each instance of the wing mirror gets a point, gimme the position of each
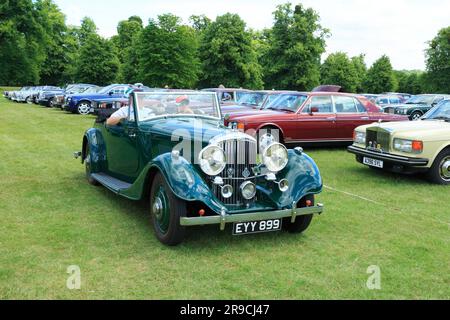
(313, 110)
(111, 93)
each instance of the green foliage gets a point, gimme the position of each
(87, 29)
(297, 41)
(410, 81)
(438, 62)
(20, 37)
(338, 69)
(380, 77)
(361, 72)
(126, 41)
(228, 56)
(55, 36)
(100, 68)
(199, 23)
(168, 54)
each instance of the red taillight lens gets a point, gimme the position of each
(417, 146)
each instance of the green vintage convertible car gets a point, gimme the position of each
(174, 150)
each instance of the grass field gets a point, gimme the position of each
(52, 219)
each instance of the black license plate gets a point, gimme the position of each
(243, 228)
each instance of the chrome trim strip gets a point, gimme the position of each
(388, 156)
(223, 219)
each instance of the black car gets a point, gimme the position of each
(47, 97)
(417, 106)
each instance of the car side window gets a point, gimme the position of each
(119, 90)
(227, 96)
(359, 106)
(321, 104)
(345, 105)
(395, 101)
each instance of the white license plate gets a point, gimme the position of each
(373, 162)
(242, 228)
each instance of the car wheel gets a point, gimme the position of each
(28, 100)
(166, 211)
(301, 222)
(88, 167)
(416, 115)
(52, 103)
(440, 170)
(84, 108)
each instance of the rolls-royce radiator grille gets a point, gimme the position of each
(241, 158)
(377, 139)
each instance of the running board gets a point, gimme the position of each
(113, 184)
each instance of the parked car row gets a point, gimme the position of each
(237, 168)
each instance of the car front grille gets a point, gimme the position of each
(241, 158)
(377, 139)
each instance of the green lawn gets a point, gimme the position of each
(51, 219)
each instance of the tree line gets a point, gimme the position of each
(38, 47)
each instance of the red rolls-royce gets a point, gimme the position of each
(306, 117)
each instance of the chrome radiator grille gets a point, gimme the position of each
(241, 158)
(377, 139)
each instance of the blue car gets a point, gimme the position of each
(82, 103)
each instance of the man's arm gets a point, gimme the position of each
(115, 118)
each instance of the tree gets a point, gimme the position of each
(409, 81)
(438, 62)
(199, 23)
(100, 68)
(168, 54)
(228, 56)
(361, 72)
(126, 41)
(20, 37)
(87, 29)
(338, 69)
(57, 58)
(297, 41)
(380, 77)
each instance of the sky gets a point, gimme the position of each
(398, 28)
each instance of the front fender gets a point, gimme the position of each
(94, 139)
(182, 177)
(304, 179)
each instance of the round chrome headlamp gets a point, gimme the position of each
(275, 157)
(212, 160)
(227, 191)
(248, 190)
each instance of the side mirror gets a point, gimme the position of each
(313, 110)
(111, 93)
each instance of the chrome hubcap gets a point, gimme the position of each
(83, 108)
(416, 116)
(445, 168)
(157, 208)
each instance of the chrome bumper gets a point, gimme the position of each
(224, 218)
(389, 157)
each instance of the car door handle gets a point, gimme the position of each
(365, 118)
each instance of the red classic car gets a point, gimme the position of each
(312, 117)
